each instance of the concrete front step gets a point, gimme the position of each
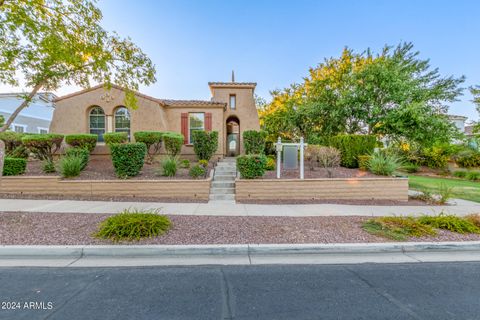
(225, 172)
(223, 178)
(222, 191)
(222, 197)
(223, 184)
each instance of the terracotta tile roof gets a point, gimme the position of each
(180, 103)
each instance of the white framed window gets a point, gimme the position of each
(20, 128)
(97, 122)
(196, 122)
(42, 130)
(233, 102)
(122, 120)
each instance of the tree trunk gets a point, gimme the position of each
(2, 156)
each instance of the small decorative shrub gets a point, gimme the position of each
(85, 141)
(12, 140)
(128, 158)
(468, 159)
(43, 146)
(311, 155)
(185, 164)
(115, 137)
(445, 193)
(169, 166)
(153, 141)
(383, 164)
(351, 146)
(460, 174)
(363, 162)
(251, 166)
(397, 228)
(173, 143)
(197, 171)
(410, 167)
(435, 157)
(450, 222)
(472, 175)
(254, 141)
(328, 158)
(205, 144)
(270, 164)
(71, 166)
(48, 166)
(81, 153)
(14, 166)
(203, 163)
(133, 225)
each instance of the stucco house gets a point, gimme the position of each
(230, 111)
(33, 119)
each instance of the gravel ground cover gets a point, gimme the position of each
(76, 229)
(102, 169)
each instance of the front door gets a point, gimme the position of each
(233, 145)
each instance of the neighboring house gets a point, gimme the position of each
(469, 130)
(458, 121)
(33, 119)
(230, 111)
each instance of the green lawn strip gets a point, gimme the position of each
(467, 190)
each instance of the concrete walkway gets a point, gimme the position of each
(459, 207)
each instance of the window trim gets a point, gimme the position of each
(129, 121)
(24, 126)
(189, 129)
(90, 122)
(234, 96)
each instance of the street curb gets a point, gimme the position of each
(145, 251)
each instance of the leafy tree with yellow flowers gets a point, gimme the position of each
(48, 43)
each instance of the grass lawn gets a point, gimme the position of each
(462, 189)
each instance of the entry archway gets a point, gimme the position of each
(233, 136)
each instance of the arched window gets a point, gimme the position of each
(122, 120)
(97, 122)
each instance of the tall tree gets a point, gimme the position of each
(48, 43)
(475, 91)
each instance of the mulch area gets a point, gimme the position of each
(102, 169)
(319, 173)
(77, 229)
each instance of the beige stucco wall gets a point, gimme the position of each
(245, 109)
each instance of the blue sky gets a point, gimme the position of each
(274, 42)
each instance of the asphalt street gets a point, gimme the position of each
(362, 291)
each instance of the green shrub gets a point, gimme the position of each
(168, 166)
(197, 171)
(12, 141)
(445, 193)
(351, 146)
(473, 175)
(85, 140)
(450, 222)
(153, 141)
(383, 164)
(251, 166)
(133, 225)
(363, 161)
(115, 137)
(397, 228)
(81, 153)
(14, 166)
(43, 146)
(254, 141)
(410, 167)
(185, 164)
(468, 159)
(435, 157)
(203, 163)
(205, 144)
(460, 174)
(173, 143)
(270, 164)
(48, 166)
(71, 166)
(128, 158)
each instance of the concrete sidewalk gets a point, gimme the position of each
(459, 207)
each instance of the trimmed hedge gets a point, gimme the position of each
(352, 146)
(81, 153)
(173, 143)
(205, 145)
(254, 141)
(14, 166)
(43, 146)
(150, 138)
(115, 137)
(251, 166)
(128, 158)
(12, 140)
(84, 140)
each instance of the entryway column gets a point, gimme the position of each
(109, 127)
